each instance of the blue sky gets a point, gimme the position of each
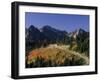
(67, 22)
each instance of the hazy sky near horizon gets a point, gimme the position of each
(67, 22)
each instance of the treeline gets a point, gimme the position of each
(80, 44)
(30, 45)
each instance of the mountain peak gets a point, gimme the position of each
(80, 31)
(32, 28)
(47, 27)
(77, 32)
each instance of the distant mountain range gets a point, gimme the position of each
(49, 35)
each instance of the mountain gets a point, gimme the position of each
(46, 35)
(33, 34)
(53, 34)
(78, 33)
(80, 41)
(47, 27)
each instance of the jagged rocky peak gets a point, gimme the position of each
(32, 28)
(80, 31)
(47, 27)
(77, 32)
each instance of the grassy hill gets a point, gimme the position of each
(55, 55)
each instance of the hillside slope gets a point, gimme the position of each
(54, 55)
